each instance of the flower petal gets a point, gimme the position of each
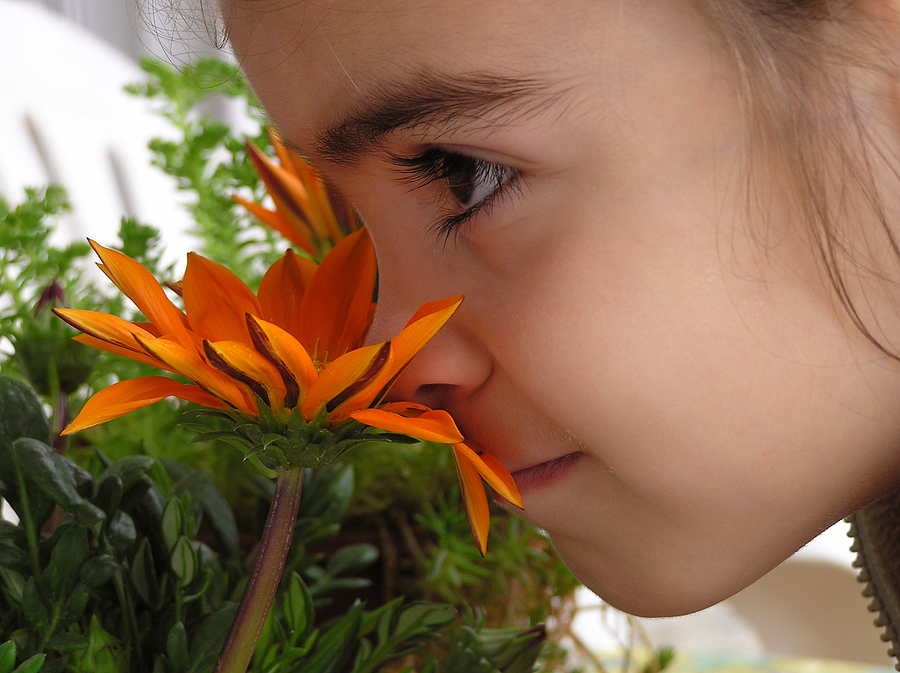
(474, 496)
(245, 364)
(137, 356)
(434, 425)
(492, 471)
(192, 366)
(125, 396)
(336, 309)
(139, 285)
(424, 324)
(109, 328)
(216, 301)
(346, 376)
(274, 220)
(287, 354)
(282, 288)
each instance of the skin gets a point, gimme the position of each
(677, 392)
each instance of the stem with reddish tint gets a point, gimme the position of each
(265, 576)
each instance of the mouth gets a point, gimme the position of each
(543, 473)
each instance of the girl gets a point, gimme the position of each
(675, 226)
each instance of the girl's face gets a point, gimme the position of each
(647, 345)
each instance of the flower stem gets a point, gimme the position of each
(265, 576)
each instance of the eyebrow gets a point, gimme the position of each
(431, 98)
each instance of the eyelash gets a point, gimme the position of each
(436, 165)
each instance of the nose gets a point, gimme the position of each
(451, 366)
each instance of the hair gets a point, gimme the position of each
(801, 63)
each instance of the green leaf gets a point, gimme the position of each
(69, 552)
(351, 559)
(143, 574)
(98, 570)
(13, 557)
(32, 604)
(75, 605)
(68, 642)
(121, 531)
(21, 413)
(210, 637)
(177, 648)
(336, 646)
(173, 523)
(32, 665)
(7, 656)
(183, 561)
(47, 470)
(298, 607)
(109, 493)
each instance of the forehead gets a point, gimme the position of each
(310, 61)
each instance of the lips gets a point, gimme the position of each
(543, 473)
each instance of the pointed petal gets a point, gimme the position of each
(139, 285)
(287, 354)
(216, 301)
(430, 426)
(105, 327)
(136, 355)
(282, 288)
(492, 471)
(424, 324)
(475, 498)
(334, 316)
(292, 199)
(189, 364)
(245, 364)
(125, 396)
(272, 219)
(350, 372)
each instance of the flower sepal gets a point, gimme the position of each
(270, 442)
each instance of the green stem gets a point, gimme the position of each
(265, 576)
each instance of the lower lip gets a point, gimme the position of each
(544, 473)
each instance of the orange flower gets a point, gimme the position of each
(292, 357)
(304, 206)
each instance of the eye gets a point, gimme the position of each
(472, 185)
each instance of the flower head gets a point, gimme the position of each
(287, 364)
(304, 204)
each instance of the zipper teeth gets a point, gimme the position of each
(874, 585)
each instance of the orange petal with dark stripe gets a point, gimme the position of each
(245, 364)
(125, 396)
(273, 219)
(216, 301)
(286, 353)
(105, 327)
(349, 373)
(189, 364)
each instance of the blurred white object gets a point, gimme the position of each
(65, 118)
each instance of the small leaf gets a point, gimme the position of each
(13, 557)
(98, 570)
(173, 523)
(109, 493)
(177, 648)
(7, 656)
(32, 665)
(351, 559)
(32, 604)
(121, 531)
(210, 637)
(75, 605)
(298, 606)
(184, 562)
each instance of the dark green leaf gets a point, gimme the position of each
(21, 415)
(177, 648)
(121, 531)
(69, 642)
(209, 639)
(69, 552)
(351, 559)
(98, 570)
(298, 606)
(109, 493)
(13, 557)
(336, 646)
(32, 604)
(75, 605)
(184, 562)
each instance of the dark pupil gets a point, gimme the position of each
(462, 174)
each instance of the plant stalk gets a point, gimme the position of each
(265, 576)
